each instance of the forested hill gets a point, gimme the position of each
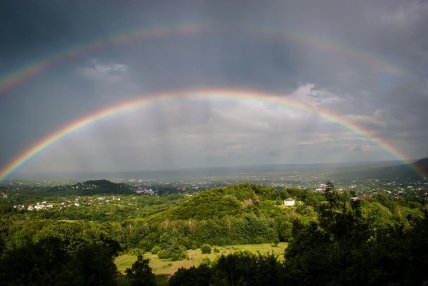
(95, 187)
(238, 214)
(27, 193)
(222, 201)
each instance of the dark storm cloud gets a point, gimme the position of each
(217, 58)
(365, 61)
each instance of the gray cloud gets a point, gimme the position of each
(365, 62)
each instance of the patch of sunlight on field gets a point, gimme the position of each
(195, 257)
(124, 261)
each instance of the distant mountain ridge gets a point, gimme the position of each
(422, 166)
(95, 187)
(413, 171)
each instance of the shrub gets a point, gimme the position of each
(155, 249)
(206, 249)
(173, 252)
(275, 242)
(163, 254)
(135, 251)
(206, 261)
(179, 256)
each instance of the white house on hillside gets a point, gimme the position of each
(289, 202)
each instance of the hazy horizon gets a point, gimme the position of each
(303, 170)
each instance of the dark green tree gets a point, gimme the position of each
(194, 276)
(240, 268)
(140, 273)
(93, 265)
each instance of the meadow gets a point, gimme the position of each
(165, 268)
(196, 257)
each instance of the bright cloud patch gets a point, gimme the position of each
(113, 72)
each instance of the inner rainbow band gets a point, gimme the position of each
(197, 95)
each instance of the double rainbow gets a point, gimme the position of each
(25, 73)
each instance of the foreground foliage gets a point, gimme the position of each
(51, 261)
(242, 268)
(346, 246)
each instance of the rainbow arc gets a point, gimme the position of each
(194, 95)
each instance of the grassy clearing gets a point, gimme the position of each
(166, 267)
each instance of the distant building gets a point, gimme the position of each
(321, 188)
(289, 202)
(39, 207)
(144, 191)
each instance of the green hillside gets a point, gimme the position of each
(223, 201)
(239, 214)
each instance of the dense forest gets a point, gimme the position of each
(334, 237)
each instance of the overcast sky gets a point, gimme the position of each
(365, 61)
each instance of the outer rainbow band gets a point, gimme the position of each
(33, 69)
